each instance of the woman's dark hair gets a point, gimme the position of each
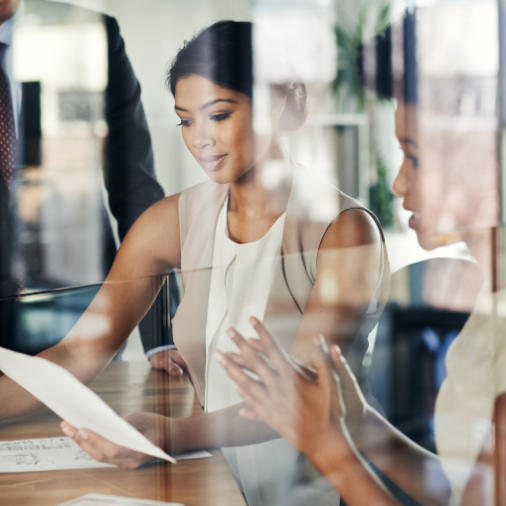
(223, 53)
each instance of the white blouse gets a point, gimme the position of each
(476, 375)
(240, 284)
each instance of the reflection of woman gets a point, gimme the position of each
(227, 235)
(310, 414)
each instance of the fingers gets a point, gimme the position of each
(249, 389)
(178, 359)
(249, 414)
(306, 370)
(320, 360)
(67, 429)
(342, 367)
(252, 359)
(236, 358)
(103, 450)
(80, 437)
(270, 348)
(167, 361)
(174, 369)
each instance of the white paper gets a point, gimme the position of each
(51, 454)
(57, 454)
(202, 454)
(74, 402)
(112, 500)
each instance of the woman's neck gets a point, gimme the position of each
(250, 197)
(481, 244)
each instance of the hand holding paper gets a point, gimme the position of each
(74, 402)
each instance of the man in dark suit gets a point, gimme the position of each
(128, 165)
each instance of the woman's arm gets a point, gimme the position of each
(301, 410)
(348, 265)
(306, 413)
(150, 249)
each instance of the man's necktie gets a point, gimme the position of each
(7, 133)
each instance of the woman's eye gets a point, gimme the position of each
(185, 123)
(220, 117)
(414, 161)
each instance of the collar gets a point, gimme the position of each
(6, 32)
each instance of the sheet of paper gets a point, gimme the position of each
(74, 402)
(56, 454)
(192, 455)
(112, 500)
(51, 454)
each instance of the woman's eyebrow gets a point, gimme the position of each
(407, 140)
(227, 100)
(209, 104)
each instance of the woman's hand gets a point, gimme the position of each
(352, 396)
(102, 450)
(170, 361)
(301, 409)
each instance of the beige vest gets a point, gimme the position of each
(294, 278)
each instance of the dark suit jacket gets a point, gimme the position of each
(129, 173)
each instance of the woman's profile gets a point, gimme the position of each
(334, 425)
(245, 247)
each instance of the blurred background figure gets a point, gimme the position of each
(74, 135)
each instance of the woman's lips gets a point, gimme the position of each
(212, 163)
(414, 221)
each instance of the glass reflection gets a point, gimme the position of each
(401, 108)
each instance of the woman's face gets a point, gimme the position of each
(410, 185)
(217, 127)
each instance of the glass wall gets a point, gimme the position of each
(329, 167)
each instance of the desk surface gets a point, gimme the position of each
(127, 387)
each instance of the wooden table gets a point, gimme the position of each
(127, 387)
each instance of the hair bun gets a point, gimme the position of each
(295, 112)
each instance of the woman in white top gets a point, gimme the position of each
(244, 248)
(334, 426)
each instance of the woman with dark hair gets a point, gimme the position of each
(331, 422)
(299, 255)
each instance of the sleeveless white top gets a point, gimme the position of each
(240, 284)
(476, 375)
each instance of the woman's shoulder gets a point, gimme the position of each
(321, 200)
(199, 202)
(319, 204)
(198, 192)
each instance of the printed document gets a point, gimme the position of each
(112, 500)
(51, 454)
(56, 454)
(74, 402)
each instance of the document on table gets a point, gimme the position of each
(56, 454)
(51, 454)
(112, 500)
(199, 454)
(74, 402)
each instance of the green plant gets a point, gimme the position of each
(381, 197)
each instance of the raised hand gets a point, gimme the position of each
(352, 398)
(301, 408)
